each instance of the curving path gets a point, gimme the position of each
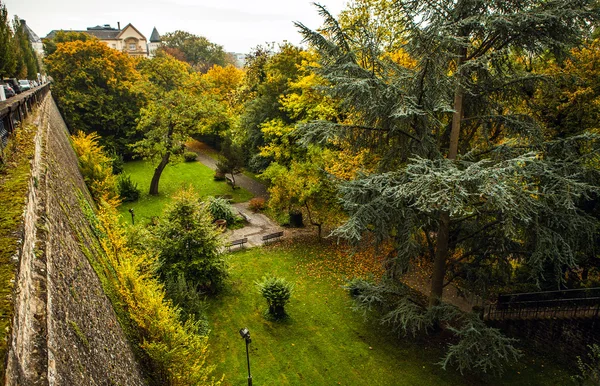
(256, 188)
(258, 225)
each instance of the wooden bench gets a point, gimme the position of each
(272, 236)
(239, 242)
(244, 216)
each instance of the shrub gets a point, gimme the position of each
(189, 156)
(257, 204)
(95, 166)
(277, 292)
(220, 209)
(178, 353)
(128, 190)
(589, 371)
(219, 176)
(118, 165)
(188, 244)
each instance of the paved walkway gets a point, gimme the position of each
(258, 226)
(256, 188)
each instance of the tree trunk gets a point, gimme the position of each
(163, 162)
(232, 181)
(157, 172)
(443, 235)
(318, 225)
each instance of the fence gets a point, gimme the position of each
(567, 304)
(14, 110)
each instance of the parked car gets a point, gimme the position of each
(12, 82)
(24, 84)
(8, 91)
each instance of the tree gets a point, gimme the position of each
(188, 244)
(267, 83)
(50, 45)
(176, 107)
(231, 160)
(94, 90)
(465, 176)
(27, 65)
(198, 51)
(305, 185)
(8, 62)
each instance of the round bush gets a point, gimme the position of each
(189, 156)
(220, 209)
(277, 292)
(257, 204)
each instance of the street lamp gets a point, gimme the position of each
(245, 333)
(132, 216)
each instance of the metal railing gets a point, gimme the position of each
(14, 110)
(566, 304)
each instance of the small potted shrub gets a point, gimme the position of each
(277, 292)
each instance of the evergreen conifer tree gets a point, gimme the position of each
(466, 176)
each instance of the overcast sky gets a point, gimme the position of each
(237, 25)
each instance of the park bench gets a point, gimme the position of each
(244, 216)
(272, 236)
(239, 242)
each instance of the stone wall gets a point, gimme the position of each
(65, 331)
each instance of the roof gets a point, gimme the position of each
(101, 34)
(155, 37)
(32, 35)
(135, 29)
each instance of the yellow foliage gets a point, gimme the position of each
(178, 353)
(95, 166)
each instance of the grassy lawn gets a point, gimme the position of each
(173, 178)
(323, 342)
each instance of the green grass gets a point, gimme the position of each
(324, 342)
(173, 178)
(14, 178)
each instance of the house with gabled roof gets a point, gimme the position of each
(128, 39)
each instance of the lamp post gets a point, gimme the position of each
(132, 216)
(245, 333)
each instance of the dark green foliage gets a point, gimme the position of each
(198, 51)
(118, 164)
(188, 244)
(268, 81)
(478, 349)
(7, 47)
(512, 194)
(277, 292)
(128, 190)
(190, 300)
(231, 160)
(589, 370)
(27, 64)
(221, 209)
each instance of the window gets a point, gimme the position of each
(131, 46)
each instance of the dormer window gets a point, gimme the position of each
(131, 46)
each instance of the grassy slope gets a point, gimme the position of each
(14, 179)
(173, 178)
(324, 342)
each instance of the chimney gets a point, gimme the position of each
(119, 25)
